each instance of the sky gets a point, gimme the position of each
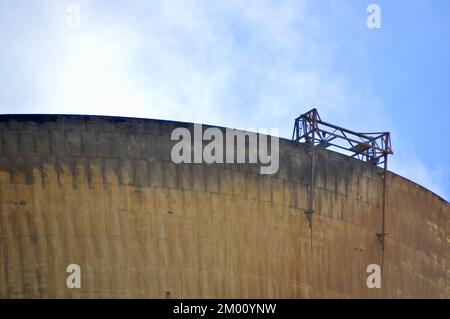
(242, 64)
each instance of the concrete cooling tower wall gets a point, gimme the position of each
(103, 193)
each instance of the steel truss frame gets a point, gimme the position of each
(369, 147)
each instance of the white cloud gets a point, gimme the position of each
(236, 64)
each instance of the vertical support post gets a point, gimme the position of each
(310, 210)
(294, 135)
(382, 236)
(384, 199)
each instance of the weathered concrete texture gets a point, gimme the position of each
(103, 193)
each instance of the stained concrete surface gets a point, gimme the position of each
(102, 192)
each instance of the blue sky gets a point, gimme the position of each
(245, 64)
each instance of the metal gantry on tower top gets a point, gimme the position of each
(369, 147)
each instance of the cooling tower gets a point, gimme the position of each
(103, 193)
